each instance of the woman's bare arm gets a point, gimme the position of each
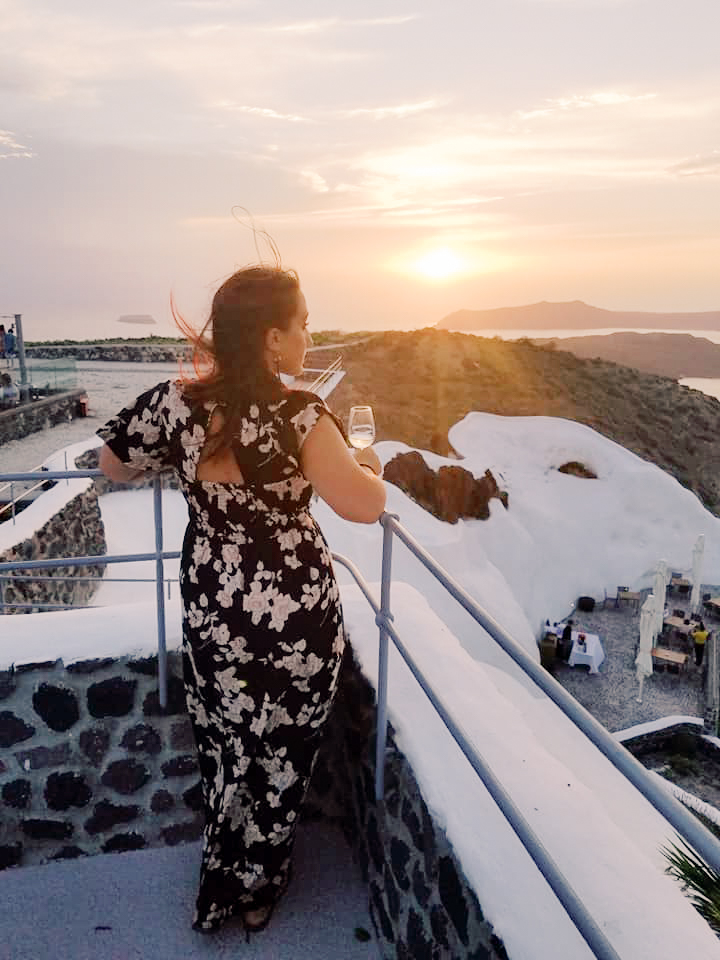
(352, 491)
(115, 469)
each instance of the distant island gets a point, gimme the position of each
(675, 355)
(574, 315)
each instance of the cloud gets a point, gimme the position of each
(383, 113)
(265, 112)
(317, 183)
(704, 166)
(583, 102)
(333, 23)
(10, 148)
(456, 213)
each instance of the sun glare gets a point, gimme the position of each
(439, 264)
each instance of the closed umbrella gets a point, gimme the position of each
(659, 586)
(643, 661)
(697, 561)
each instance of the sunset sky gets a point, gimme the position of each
(409, 158)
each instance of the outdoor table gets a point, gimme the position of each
(679, 582)
(631, 597)
(591, 655)
(676, 623)
(669, 656)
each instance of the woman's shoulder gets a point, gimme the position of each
(294, 402)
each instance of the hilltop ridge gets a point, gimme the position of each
(422, 382)
(574, 314)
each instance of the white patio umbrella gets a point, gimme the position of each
(659, 586)
(643, 661)
(697, 562)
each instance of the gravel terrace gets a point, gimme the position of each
(611, 695)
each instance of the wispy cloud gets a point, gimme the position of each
(705, 166)
(608, 98)
(265, 112)
(333, 23)
(10, 148)
(455, 213)
(384, 113)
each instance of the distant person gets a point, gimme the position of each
(9, 392)
(2, 341)
(10, 345)
(699, 638)
(565, 645)
(263, 635)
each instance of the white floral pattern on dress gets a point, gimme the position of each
(262, 626)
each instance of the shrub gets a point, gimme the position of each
(702, 881)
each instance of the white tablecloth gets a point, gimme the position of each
(592, 655)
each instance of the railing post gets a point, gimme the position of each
(382, 710)
(159, 591)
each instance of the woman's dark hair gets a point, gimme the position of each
(229, 352)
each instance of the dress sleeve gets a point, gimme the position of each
(140, 434)
(310, 407)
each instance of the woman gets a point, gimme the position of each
(262, 624)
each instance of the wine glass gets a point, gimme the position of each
(361, 427)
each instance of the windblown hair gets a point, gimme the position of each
(229, 352)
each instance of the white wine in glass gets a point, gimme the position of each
(361, 427)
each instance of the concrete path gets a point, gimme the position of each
(138, 906)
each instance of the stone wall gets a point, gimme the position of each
(90, 763)
(421, 903)
(76, 530)
(36, 415)
(118, 352)
(79, 523)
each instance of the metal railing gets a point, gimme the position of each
(159, 555)
(677, 815)
(37, 477)
(334, 367)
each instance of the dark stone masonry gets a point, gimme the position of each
(84, 769)
(20, 421)
(118, 352)
(76, 530)
(80, 763)
(420, 900)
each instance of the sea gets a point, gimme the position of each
(111, 386)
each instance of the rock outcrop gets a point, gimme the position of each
(450, 493)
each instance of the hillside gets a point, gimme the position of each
(574, 315)
(422, 382)
(673, 355)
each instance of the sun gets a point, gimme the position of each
(438, 264)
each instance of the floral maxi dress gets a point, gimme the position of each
(262, 631)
